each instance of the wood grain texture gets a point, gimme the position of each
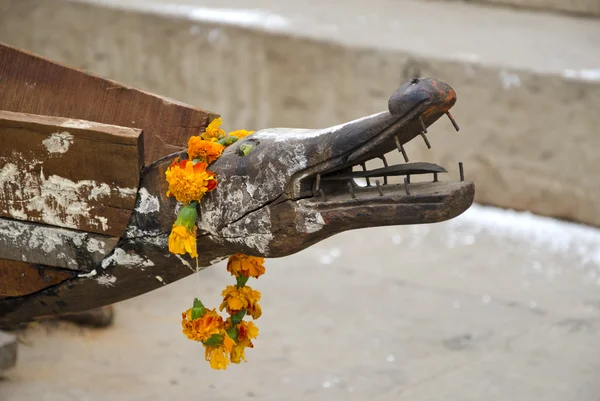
(67, 173)
(32, 84)
(20, 278)
(53, 246)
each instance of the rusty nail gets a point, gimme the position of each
(379, 187)
(435, 177)
(318, 182)
(408, 178)
(423, 124)
(406, 186)
(323, 198)
(364, 167)
(426, 140)
(452, 120)
(461, 171)
(401, 149)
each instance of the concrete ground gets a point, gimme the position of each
(493, 305)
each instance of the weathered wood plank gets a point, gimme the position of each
(19, 278)
(67, 173)
(58, 247)
(8, 350)
(32, 84)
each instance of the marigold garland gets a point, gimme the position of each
(224, 339)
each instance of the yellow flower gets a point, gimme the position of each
(203, 328)
(241, 133)
(182, 240)
(208, 151)
(188, 181)
(219, 355)
(214, 132)
(246, 332)
(235, 299)
(249, 266)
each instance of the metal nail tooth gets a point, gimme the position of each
(351, 189)
(426, 140)
(364, 167)
(406, 186)
(461, 171)
(407, 178)
(401, 149)
(435, 177)
(323, 198)
(385, 164)
(379, 187)
(452, 120)
(423, 124)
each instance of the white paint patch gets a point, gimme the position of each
(27, 193)
(509, 79)
(308, 220)
(583, 74)
(219, 259)
(147, 203)
(77, 124)
(126, 192)
(185, 262)
(159, 278)
(284, 134)
(259, 237)
(107, 280)
(58, 142)
(8, 174)
(95, 245)
(126, 259)
(88, 275)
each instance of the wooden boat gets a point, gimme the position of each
(84, 216)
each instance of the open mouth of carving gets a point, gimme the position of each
(400, 183)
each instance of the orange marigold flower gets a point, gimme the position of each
(182, 240)
(249, 266)
(235, 299)
(246, 332)
(241, 133)
(199, 148)
(219, 355)
(203, 328)
(214, 132)
(189, 182)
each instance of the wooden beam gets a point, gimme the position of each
(19, 278)
(32, 84)
(69, 173)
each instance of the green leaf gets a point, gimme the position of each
(237, 318)
(215, 339)
(198, 310)
(241, 280)
(233, 333)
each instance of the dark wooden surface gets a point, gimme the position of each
(32, 84)
(78, 175)
(20, 278)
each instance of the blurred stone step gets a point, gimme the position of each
(585, 8)
(8, 350)
(528, 83)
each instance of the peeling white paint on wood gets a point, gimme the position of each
(88, 275)
(285, 134)
(82, 124)
(147, 203)
(308, 220)
(127, 259)
(107, 280)
(27, 193)
(58, 142)
(52, 246)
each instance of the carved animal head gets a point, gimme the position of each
(294, 188)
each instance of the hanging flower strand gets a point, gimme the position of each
(224, 339)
